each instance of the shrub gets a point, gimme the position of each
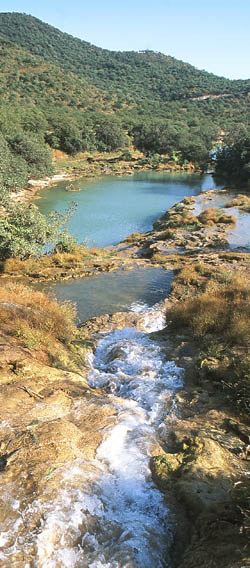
(34, 152)
(25, 232)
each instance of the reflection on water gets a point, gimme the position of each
(117, 291)
(111, 208)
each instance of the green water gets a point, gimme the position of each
(114, 292)
(110, 208)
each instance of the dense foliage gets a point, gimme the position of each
(128, 74)
(25, 232)
(233, 161)
(60, 92)
(165, 106)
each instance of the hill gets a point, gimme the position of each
(130, 75)
(31, 79)
(60, 91)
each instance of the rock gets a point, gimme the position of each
(116, 353)
(240, 429)
(108, 322)
(163, 466)
(11, 355)
(199, 474)
(228, 219)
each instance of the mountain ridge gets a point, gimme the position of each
(61, 92)
(131, 75)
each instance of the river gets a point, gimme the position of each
(106, 512)
(110, 208)
(127, 520)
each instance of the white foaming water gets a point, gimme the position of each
(108, 513)
(138, 307)
(128, 364)
(154, 318)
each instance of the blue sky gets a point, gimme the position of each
(211, 34)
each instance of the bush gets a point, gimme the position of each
(13, 169)
(233, 161)
(34, 152)
(25, 232)
(38, 318)
(109, 135)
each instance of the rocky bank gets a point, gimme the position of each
(52, 419)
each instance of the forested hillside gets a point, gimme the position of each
(30, 79)
(61, 92)
(131, 75)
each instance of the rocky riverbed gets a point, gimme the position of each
(54, 421)
(68, 498)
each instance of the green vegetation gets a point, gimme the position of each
(63, 93)
(129, 75)
(233, 161)
(77, 97)
(25, 232)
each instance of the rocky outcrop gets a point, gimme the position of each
(210, 485)
(109, 322)
(52, 420)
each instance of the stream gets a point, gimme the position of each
(106, 512)
(125, 515)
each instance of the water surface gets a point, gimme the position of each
(238, 235)
(110, 208)
(114, 292)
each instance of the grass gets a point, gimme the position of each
(38, 321)
(221, 308)
(49, 265)
(180, 216)
(212, 216)
(190, 280)
(215, 311)
(242, 201)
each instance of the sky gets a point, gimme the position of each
(211, 34)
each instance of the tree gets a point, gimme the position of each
(13, 169)
(233, 161)
(109, 135)
(196, 152)
(34, 152)
(25, 232)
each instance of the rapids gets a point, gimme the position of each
(108, 513)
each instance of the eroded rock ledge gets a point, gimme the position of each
(202, 464)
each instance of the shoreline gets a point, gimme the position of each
(203, 458)
(94, 167)
(183, 233)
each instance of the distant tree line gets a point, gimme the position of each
(58, 92)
